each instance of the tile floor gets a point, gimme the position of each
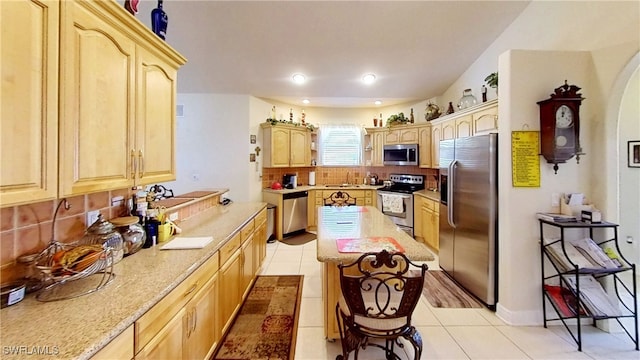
(447, 333)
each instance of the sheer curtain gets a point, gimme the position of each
(340, 145)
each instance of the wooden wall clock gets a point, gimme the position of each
(560, 125)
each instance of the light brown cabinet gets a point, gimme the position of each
(29, 101)
(118, 99)
(481, 119)
(401, 136)
(366, 197)
(485, 121)
(199, 323)
(119, 348)
(427, 221)
(167, 343)
(286, 145)
(230, 278)
(424, 146)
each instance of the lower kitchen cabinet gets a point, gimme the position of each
(167, 343)
(366, 197)
(119, 348)
(427, 221)
(248, 263)
(199, 325)
(230, 283)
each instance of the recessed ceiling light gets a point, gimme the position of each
(299, 78)
(305, 101)
(378, 102)
(368, 78)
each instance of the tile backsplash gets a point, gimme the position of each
(353, 174)
(28, 229)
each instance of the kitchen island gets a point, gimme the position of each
(371, 230)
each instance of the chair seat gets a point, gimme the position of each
(382, 324)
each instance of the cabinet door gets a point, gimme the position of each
(417, 217)
(167, 344)
(199, 322)
(436, 136)
(464, 127)
(155, 126)
(448, 130)
(300, 151)
(378, 145)
(424, 146)
(392, 137)
(409, 136)
(485, 121)
(280, 147)
(97, 112)
(248, 266)
(230, 277)
(29, 101)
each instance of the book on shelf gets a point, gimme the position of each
(597, 302)
(556, 217)
(584, 253)
(564, 300)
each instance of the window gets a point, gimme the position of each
(340, 145)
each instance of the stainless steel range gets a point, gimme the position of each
(396, 200)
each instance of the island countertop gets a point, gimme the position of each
(361, 222)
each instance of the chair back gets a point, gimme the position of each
(339, 198)
(382, 286)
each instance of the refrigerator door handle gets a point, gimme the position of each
(450, 185)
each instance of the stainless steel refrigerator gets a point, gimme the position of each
(469, 214)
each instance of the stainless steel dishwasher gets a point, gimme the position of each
(294, 212)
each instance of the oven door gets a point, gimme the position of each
(403, 217)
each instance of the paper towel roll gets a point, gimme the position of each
(312, 178)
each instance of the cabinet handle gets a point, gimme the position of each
(133, 163)
(189, 324)
(195, 320)
(141, 160)
(191, 289)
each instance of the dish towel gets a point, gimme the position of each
(392, 203)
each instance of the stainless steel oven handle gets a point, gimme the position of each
(450, 184)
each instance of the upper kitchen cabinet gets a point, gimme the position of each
(373, 145)
(28, 101)
(424, 141)
(401, 136)
(485, 121)
(286, 145)
(118, 99)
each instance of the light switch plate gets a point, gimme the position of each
(173, 216)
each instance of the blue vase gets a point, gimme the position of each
(159, 21)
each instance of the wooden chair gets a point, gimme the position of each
(339, 198)
(379, 293)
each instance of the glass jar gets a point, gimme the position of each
(467, 99)
(104, 233)
(132, 232)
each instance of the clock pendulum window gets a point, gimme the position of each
(560, 125)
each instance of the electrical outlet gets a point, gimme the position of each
(92, 216)
(173, 216)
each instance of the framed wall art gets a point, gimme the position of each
(633, 153)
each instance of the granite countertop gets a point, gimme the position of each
(361, 222)
(433, 195)
(323, 187)
(187, 199)
(78, 328)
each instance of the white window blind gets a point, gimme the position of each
(340, 145)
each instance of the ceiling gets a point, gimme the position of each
(417, 49)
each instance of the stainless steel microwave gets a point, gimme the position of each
(400, 154)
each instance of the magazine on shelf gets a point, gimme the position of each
(594, 298)
(556, 217)
(564, 300)
(594, 253)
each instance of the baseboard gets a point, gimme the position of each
(519, 318)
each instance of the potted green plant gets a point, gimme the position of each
(492, 81)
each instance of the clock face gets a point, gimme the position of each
(564, 117)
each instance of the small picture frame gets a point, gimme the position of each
(252, 157)
(252, 139)
(633, 153)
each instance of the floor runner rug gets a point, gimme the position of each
(299, 239)
(267, 323)
(442, 292)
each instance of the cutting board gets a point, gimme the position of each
(179, 243)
